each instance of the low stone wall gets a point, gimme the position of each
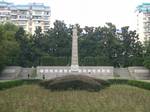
(26, 73)
(10, 72)
(16, 72)
(140, 73)
(122, 73)
(48, 72)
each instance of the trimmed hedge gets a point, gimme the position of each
(136, 83)
(74, 82)
(140, 84)
(13, 83)
(118, 81)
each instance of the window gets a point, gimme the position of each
(22, 22)
(37, 17)
(46, 13)
(46, 18)
(23, 17)
(14, 16)
(37, 12)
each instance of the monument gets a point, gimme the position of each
(50, 72)
(74, 58)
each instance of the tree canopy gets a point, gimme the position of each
(98, 46)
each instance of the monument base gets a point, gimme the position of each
(74, 68)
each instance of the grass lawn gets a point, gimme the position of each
(116, 98)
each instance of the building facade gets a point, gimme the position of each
(143, 21)
(28, 16)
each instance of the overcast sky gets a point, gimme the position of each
(91, 12)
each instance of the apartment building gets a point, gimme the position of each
(143, 21)
(28, 16)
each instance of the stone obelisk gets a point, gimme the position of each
(74, 59)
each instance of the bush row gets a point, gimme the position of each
(136, 83)
(13, 83)
(75, 83)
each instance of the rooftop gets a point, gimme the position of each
(35, 6)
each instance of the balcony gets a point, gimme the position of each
(46, 19)
(13, 14)
(37, 13)
(46, 28)
(147, 15)
(22, 17)
(47, 14)
(46, 24)
(37, 8)
(14, 17)
(146, 31)
(3, 18)
(22, 24)
(4, 14)
(37, 18)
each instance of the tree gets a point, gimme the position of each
(58, 42)
(25, 54)
(147, 55)
(9, 47)
(132, 49)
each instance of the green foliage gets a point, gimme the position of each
(13, 83)
(118, 81)
(147, 55)
(75, 82)
(147, 62)
(94, 61)
(54, 61)
(140, 84)
(104, 46)
(98, 46)
(131, 48)
(10, 84)
(9, 47)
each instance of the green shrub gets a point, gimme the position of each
(74, 82)
(140, 84)
(10, 84)
(118, 81)
(147, 62)
(13, 83)
(102, 82)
